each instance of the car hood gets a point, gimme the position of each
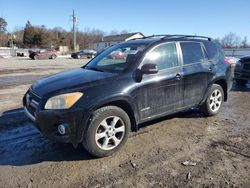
(245, 59)
(69, 80)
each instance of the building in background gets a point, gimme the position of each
(108, 41)
(63, 50)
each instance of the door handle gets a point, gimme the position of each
(210, 69)
(178, 76)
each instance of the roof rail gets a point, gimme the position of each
(187, 36)
(175, 36)
(151, 36)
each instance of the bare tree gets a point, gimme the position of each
(231, 40)
(42, 37)
(244, 43)
(114, 32)
(18, 33)
(89, 36)
(3, 39)
(124, 31)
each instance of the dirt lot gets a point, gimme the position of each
(217, 148)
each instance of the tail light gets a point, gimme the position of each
(228, 61)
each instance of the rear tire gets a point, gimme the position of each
(214, 100)
(107, 131)
(241, 82)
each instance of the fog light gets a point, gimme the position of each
(62, 129)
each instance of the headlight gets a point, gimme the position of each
(64, 101)
(238, 63)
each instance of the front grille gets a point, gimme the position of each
(31, 102)
(246, 66)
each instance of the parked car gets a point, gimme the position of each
(242, 70)
(43, 54)
(100, 103)
(84, 54)
(118, 55)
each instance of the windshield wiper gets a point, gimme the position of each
(95, 69)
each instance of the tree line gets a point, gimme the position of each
(232, 40)
(32, 36)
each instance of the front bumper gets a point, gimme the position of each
(29, 115)
(47, 121)
(242, 75)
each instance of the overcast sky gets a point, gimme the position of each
(213, 18)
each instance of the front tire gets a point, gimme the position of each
(214, 100)
(107, 131)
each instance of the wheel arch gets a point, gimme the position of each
(220, 81)
(122, 102)
(127, 107)
(223, 83)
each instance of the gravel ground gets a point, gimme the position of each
(16, 76)
(181, 150)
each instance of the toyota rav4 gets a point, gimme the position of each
(100, 103)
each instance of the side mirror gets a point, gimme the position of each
(149, 69)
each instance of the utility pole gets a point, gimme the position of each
(74, 19)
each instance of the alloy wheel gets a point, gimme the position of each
(110, 133)
(215, 100)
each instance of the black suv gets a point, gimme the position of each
(242, 70)
(101, 102)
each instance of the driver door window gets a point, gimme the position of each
(164, 56)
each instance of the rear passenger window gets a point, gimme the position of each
(164, 56)
(192, 52)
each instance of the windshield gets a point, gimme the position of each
(116, 58)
